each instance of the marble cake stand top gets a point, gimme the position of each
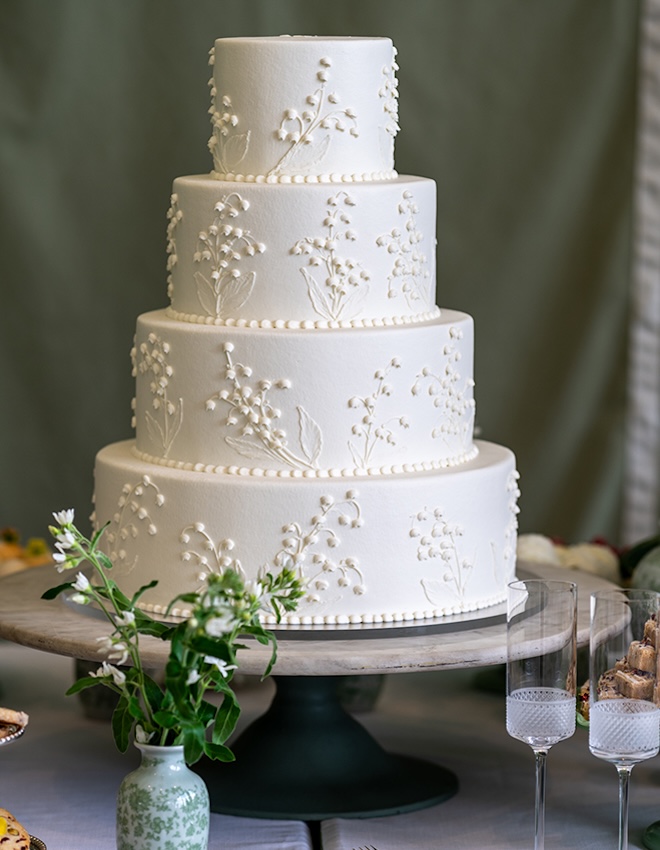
(473, 640)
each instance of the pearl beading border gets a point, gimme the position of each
(367, 177)
(355, 472)
(305, 324)
(352, 619)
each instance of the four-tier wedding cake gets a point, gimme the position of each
(302, 401)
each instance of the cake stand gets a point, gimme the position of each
(305, 758)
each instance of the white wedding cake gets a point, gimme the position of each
(302, 401)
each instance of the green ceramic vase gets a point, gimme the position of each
(162, 804)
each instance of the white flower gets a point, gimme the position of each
(219, 626)
(222, 666)
(65, 540)
(81, 583)
(64, 517)
(125, 619)
(254, 588)
(59, 558)
(116, 650)
(79, 599)
(105, 643)
(108, 670)
(193, 677)
(141, 736)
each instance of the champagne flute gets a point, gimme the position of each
(540, 681)
(624, 721)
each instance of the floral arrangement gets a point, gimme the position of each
(595, 557)
(203, 647)
(638, 564)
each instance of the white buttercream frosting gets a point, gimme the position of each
(302, 401)
(305, 401)
(315, 256)
(372, 549)
(302, 108)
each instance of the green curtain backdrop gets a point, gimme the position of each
(523, 111)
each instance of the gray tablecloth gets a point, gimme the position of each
(61, 778)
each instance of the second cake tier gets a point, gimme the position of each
(315, 255)
(304, 403)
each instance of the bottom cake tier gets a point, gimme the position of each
(372, 549)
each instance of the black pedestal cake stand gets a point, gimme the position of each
(307, 759)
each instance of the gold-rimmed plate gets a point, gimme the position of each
(37, 844)
(10, 732)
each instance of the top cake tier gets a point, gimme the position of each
(303, 109)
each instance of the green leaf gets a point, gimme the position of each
(82, 684)
(190, 598)
(178, 690)
(206, 712)
(138, 593)
(177, 642)
(193, 743)
(262, 634)
(112, 592)
(97, 535)
(220, 682)
(152, 692)
(271, 663)
(218, 648)
(54, 592)
(174, 667)
(132, 675)
(103, 560)
(135, 709)
(145, 625)
(218, 752)
(226, 718)
(166, 719)
(122, 723)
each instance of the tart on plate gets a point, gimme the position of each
(13, 835)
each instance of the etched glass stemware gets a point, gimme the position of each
(624, 720)
(540, 686)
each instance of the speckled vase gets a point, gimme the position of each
(162, 804)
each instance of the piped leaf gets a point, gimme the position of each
(317, 296)
(311, 440)
(254, 451)
(234, 293)
(234, 150)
